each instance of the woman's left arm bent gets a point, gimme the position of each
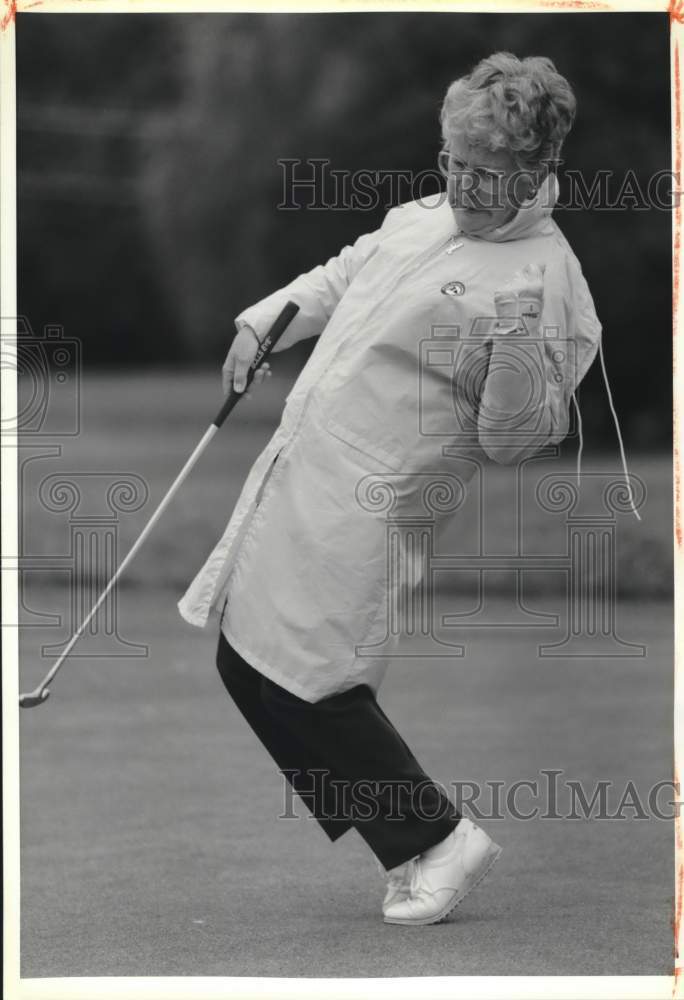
(533, 373)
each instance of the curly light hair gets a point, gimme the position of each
(523, 106)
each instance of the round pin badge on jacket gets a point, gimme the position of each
(453, 288)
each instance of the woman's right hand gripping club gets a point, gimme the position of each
(238, 361)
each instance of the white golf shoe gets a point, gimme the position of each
(438, 885)
(398, 882)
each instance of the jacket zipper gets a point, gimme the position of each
(432, 251)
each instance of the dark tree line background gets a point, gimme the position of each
(149, 182)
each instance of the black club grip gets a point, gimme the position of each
(280, 324)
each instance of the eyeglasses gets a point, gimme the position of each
(474, 179)
(485, 186)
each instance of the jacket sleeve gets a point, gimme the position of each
(526, 398)
(316, 292)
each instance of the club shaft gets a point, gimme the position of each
(182, 475)
(269, 341)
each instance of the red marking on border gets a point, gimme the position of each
(582, 4)
(9, 15)
(676, 11)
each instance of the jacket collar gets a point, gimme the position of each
(533, 218)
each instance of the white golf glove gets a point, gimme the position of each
(519, 302)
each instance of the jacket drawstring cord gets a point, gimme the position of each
(617, 428)
(581, 439)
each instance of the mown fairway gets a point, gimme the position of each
(150, 839)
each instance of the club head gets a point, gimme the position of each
(34, 698)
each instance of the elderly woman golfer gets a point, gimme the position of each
(300, 573)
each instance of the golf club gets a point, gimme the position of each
(42, 693)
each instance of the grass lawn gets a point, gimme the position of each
(151, 843)
(152, 847)
(148, 424)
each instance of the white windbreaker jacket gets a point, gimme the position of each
(405, 321)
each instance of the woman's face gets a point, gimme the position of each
(485, 189)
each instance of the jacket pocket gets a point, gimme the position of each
(370, 449)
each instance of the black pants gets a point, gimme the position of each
(345, 760)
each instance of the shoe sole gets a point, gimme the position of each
(492, 856)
